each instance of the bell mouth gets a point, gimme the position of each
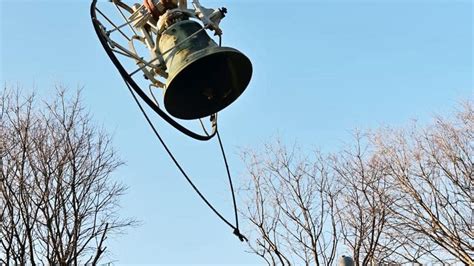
(210, 80)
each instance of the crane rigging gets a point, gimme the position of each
(167, 42)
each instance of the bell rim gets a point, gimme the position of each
(213, 51)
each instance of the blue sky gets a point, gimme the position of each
(321, 69)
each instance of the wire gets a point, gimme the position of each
(154, 98)
(230, 180)
(136, 88)
(195, 188)
(133, 88)
(203, 127)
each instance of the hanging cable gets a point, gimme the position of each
(236, 227)
(203, 127)
(134, 88)
(236, 230)
(98, 27)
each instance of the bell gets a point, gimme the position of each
(203, 78)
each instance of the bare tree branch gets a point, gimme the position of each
(60, 200)
(393, 197)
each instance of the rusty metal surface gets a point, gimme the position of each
(203, 77)
(178, 33)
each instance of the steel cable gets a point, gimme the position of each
(134, 88)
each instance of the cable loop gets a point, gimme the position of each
(134, 88)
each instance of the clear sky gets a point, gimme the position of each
(321, 69)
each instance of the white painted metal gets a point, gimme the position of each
(146, 31)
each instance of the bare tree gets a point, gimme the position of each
(393, 197)
(291, 206)
(433, 169)
(362, 201)
(58, 200)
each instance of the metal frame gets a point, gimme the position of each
(140, 22)
(110, 47)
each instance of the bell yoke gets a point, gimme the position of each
(202, 77)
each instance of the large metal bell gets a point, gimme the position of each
(203, 78)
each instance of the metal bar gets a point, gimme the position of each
(125, 24)
(112, 23)
(122, 53)
(148, 40)
(142, 63)
(125, 50)
(125, 18)
(140, 60)
(123, 5)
